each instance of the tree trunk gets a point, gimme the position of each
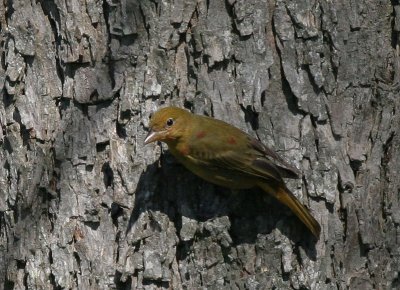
(85, 205)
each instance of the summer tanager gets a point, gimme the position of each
(226, 156)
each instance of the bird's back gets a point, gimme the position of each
(225, 155)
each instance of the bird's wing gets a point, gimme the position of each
(285, 169)
(231, 148)
(244, 160)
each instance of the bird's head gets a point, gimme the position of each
(167, 124)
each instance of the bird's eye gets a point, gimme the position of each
(170, 122)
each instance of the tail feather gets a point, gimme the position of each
(285, 196)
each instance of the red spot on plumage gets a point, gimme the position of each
(201, 134)
(184, 150)
(232, 140)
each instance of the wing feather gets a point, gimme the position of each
(285, 169)
(247, 155)
(242, 162)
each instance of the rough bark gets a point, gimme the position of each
(84, 205)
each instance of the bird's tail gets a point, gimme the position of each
(285, 196)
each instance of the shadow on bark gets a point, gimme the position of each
(182, 196)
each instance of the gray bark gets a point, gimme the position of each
(85, 205)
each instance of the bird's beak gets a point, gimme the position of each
(153, 136)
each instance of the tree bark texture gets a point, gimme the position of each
(85, 205)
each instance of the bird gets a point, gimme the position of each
(226, 156)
